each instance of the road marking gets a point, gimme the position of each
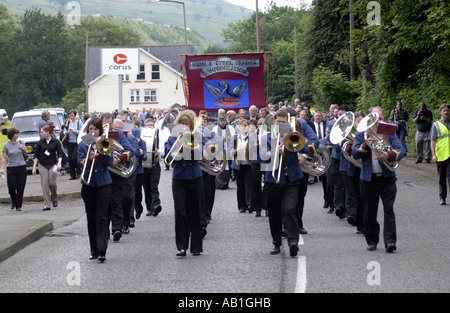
(300, 284)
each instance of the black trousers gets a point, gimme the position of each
(72, 153)
(383, 188)
(443, 169)
(138, 208)
(302, 189)
(244, 186)
(283, 199)
(96, 202)
(16, 178)
(338, 182)
(359, 200)
(116, 204)
(151, 183)
(207, 197)
(187, 197)
(256, 195)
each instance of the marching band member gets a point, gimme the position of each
(128, 187)
(339, 187)
(116, 204)
(227, 134)
(378, 182)
(136, 206)
(241, 166)
(152, 174)
(186, 188)
(97, 194)
(282, 197)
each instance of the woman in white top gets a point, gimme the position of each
(16, 175)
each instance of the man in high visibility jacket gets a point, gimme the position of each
(440, 148)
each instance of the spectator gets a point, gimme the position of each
(49, 155)
(399, 116)
(441, 150)
(423, 118)
(73, 127)
(16, 175)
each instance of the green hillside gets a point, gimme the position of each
(206, 17)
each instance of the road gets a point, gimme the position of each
(236, 258)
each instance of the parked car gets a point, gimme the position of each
(27, 122)
(3, 116)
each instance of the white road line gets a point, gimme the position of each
(300, 284)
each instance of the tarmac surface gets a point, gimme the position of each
(17, 230)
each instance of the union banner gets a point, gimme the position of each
(225, 81)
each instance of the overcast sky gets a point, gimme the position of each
(262, 4)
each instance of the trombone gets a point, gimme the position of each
(185, 140)
(293, 142)
(100, 147)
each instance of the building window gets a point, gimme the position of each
(155, 72)
(150, 95)
(134, 95)
(141, 75)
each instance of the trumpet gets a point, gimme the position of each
(368, 126)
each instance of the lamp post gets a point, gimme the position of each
(184, 15)
(295, 50)
(258, 46)
(86, 66)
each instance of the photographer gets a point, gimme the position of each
(399, 116)
(423, 118)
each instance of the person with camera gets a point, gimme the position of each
(423, 118)
(399, 116)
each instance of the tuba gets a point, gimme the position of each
(343, 129)
(213, 166)
(369, 126)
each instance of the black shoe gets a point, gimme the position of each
(18, 209)
(330, 211)
(125, 230)
(371, 247)
(157, 210)
(12, 207)
(101, 258)
(258, 214)
(196, 253)
(150, 213)
(93, 256)
(293, 249)
(275, 250)
(390, 247)
(351, 220)
(181, 253)
(242, 210)
(442, 202)
(55, 204)
(46, 209)
(418, 161)
(340, 213)
(326, 205)
(302, 231)
(132, 224)
(117, 235)
(72, 178)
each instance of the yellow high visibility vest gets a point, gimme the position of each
(442, 141)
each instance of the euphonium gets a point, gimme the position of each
(319, 163)
(106, 146)
(368, 126)
(343, 129)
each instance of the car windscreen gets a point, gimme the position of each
(30, 123)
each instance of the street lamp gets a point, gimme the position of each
(184, 15)
(295, 50)
(86, 66)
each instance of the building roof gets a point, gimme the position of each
(167, 54)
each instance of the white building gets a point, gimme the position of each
(158, 85)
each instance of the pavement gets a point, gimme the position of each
(19, 229)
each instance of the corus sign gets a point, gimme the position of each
(116, 61)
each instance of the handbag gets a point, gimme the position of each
(65, 140)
